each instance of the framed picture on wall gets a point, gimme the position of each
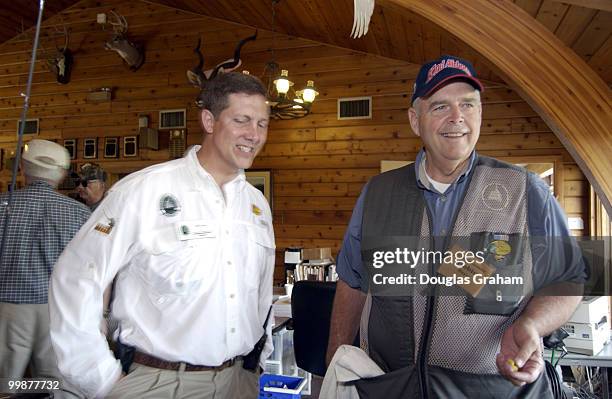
(111, 147)
(130, 146)
(261, 180)
(90, 148)
(8, 157)
(70, 145)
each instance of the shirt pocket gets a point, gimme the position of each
(260, 246)
(502, 296)
(177, 268)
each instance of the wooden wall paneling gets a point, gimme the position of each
(604, 5)
(594, 36)
(559, 180)
(340, 218)
(431, 44)
(551, 14)
(379, 31)
(405, 72)
(291, 135)
(575, 188)
(400, 49)
(531, 7)
(314, 203)
(572, 171)
(324, 231)
(600, 61)
(422, 41)
(365, 132)
(352, 175)
(576, 20)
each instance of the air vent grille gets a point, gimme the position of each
(355, 108)
(172, 119)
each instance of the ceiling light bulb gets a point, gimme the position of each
(282, 83)
(309, 93)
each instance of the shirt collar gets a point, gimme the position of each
(423, 181)
(202, 177)
(42, 183)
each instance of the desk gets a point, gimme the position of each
(603, 359)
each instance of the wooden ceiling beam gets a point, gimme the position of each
(573, 100)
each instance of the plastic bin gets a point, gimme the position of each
(272, 386)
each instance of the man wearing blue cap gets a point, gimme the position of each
(472, 337)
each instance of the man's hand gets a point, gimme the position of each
(520, 358)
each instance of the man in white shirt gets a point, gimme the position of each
(191, 245)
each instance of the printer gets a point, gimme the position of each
(589, 326)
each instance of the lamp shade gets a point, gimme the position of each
(309, 93)
(283, 83)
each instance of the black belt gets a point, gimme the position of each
(152, 361)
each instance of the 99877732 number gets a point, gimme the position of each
(28, 385)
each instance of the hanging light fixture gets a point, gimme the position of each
(285, 103)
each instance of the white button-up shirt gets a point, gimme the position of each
(194, 265)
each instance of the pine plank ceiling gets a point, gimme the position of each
(583, 25)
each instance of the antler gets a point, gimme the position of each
(196, 76)
(67, 37)
(232, 63)
(200, 56)
(121, 26)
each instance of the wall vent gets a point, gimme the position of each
(172, 119)
(31, 126)
(355, 108)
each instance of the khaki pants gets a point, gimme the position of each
(149, 383)
(25, 341)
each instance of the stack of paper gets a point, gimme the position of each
(282, 307)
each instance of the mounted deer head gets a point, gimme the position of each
(61, 62)
(198, 77)
(132, 53)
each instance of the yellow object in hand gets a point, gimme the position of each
(512, 364)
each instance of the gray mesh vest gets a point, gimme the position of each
(443, 345)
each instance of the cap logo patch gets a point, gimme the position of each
(446, 63)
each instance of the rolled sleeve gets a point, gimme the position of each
(349, 265)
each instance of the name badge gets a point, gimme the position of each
(194, 230)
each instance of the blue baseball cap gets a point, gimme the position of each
(434, 74)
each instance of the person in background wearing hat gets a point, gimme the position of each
(452, 342)
(191, 245)
(40, 224)
(91, 185)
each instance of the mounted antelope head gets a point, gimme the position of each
(132, 53)
(61, 62)
(198, 77)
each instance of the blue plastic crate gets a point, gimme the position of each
(272, 386)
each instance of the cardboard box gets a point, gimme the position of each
(316, 254)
